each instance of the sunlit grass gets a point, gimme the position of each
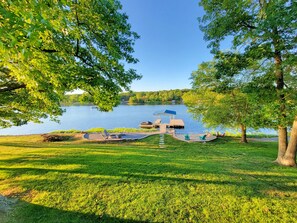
(78, 181)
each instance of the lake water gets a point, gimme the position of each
(84, 118)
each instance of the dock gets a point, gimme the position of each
(176, 123)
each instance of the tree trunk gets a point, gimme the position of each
(279, 75)
(243, 133)
(289, 158)
(282, 143)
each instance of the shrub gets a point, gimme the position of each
(55, 138)
(67, 131)
(95, 130)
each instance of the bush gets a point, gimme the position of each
(55, 138)
(95, 130)
(67, 131)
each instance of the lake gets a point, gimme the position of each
(128, 116)
(84, 118)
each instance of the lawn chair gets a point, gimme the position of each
(220, 135)
(187, 137)
(107, 135)
(202, 137)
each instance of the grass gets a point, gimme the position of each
(78, 181)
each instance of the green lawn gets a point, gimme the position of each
(77, 181)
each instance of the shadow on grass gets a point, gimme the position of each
(150, 141)
(24, 212)
(111, 171)
(129, 163)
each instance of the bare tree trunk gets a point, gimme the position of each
(282, 143)
(279, 75)
(289, 158)
(243, 133)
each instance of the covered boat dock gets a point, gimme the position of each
(173, 123)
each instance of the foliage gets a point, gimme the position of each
(145, 97)
(156, 97)
(222, 181)
(263, 34)
(76, 99)
(223, 100)
(51, 47)
(216, 109)
(67, 131)
(257, 79)
(252, 25)
(95, 130)
(55, 138)
(257, 135)
(264, 31)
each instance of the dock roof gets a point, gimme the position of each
(166, 112)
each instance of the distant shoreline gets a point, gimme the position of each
(124, 103)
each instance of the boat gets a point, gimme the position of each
(149, 124)
(146, 125)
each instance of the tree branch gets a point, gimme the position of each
(245, 24)
(11, 87)
(78, 24)
(83, 60)
(49, 51)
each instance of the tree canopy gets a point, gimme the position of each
(50, 47)
(221, 100)
(264, 31)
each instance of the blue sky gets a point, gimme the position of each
(170, 46)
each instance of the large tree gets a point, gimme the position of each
(261, 30)
(50, 47)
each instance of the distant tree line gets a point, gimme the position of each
(154, 97)
(144, 97)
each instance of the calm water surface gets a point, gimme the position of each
(127, 116)
(84, 117)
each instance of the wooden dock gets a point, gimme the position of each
(176, 123)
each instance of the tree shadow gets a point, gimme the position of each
(137, 167)
(24, 212)
(129, 163)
